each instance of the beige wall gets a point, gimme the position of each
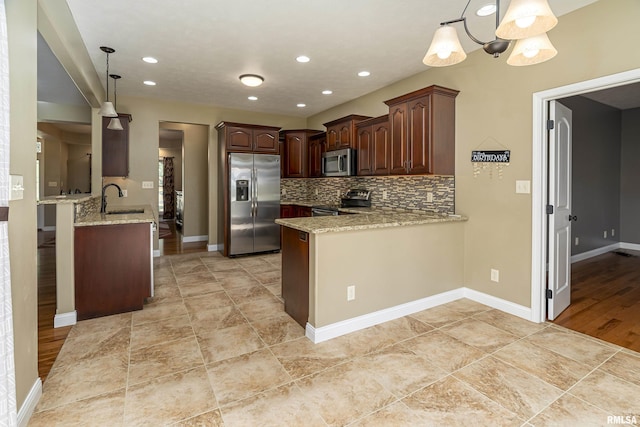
(495, 103)
(21, 22)
(427, 260)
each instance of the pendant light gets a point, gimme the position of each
(114, 123)
(107, 109)
(526, 18)
(532, 50)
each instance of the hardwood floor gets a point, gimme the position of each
(50, 339)
(605, 299)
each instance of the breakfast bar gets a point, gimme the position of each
(344, 273)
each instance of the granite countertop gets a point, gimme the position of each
(376, 218)
(67, 198)
(97, 218)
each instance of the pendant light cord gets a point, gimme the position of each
(107, 76)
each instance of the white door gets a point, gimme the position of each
(559, 278)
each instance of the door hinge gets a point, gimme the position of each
(549, 209)
(549, 294)
(550, 124)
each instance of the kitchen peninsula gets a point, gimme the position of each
(348, 272)
(92, 247)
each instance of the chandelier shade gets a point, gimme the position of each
(445, 48)
(526, 18)
(532, 50)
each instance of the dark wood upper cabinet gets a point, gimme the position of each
(341, 133)
(239, 137)
(422, 132)
(296, 147)
(115, 147)
(372, 145)
(317, 144)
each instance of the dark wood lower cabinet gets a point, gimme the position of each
(112, 268)
(295, 274)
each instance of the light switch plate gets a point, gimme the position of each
(17, 187)
(147, 184)
(523, 187)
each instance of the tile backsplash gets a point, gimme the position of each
(403, 192)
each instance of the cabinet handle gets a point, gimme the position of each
(303, 236)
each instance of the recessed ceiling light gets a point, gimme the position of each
(252, 98)
(303, 58)
(364, 74)
(251, 80)
(301, 105)
(486, 10)
(327, 92)
(150, 60)
(149, 83)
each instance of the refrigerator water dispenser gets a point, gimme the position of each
(242, 190)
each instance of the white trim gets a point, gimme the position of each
(29, 404)
(65, 319)
(49, 228)
(324, 333)
(156, 253)
(594, 252)
(189, 239)
(213, 248)
(630, 246)
(539, 176)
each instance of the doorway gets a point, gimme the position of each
(541, 184)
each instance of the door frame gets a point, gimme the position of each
(539, 194)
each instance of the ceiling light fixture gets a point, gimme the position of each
(107, 109)
(149, 83)
(301, 105)
(252, 98)
(364, 74)
(523, 19)
(327, 92)
(303, 59)
(251, 80)
(114, 123)
(486, 10)
(150, 60)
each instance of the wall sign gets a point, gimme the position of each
(493, 156)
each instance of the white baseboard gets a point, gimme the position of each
(324, 333)
(214, 248)
(29, 404)
(595, 252)
(65, 319)
(189, 239)
(156, 253)
(630, 246)
(49, 228)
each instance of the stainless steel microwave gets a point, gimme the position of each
(339, 162)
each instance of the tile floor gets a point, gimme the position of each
(215, 348)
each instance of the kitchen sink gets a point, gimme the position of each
(126, 212)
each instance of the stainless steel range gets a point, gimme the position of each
(356, 198)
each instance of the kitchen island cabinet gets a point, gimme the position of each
(113, 268)
(398, 264)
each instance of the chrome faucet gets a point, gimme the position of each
(103, 207)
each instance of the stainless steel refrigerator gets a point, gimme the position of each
(254, 193)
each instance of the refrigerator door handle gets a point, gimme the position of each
(254, 189)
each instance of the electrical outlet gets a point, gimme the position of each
(284, 191)
(147, 184)
(577, 241)
(605, 234)
(613, 232)
(385, 195)
(429, 197)
(523, 187)
(124, 193)
(339, 193)
(316, 191)
(495, 275)
(351, 293)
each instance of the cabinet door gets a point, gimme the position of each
(239, 139)
(315, 157)
(344, 136)
(380, 149)
(296, 155)
(333, 135)
(287, 211)
(265, 141)
(295, 274)
(398, 134)
(364, 147)
(115, 148)
(419, 136)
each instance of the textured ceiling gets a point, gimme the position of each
(204, 45)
